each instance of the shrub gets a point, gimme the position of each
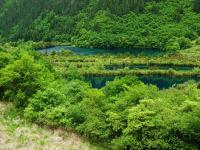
(93, 105)
(58, 104)
(73, 73)
(43, 106)
(176, 44)
(197, 41)
(22, 78)
(4, 59)
(191, 35)
(172, 45)
(119, 85)
(185, 43)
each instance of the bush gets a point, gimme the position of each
(175, 44)
(58, 104)
(4, 59)
(191, 35)
(22, 78)
(43, 107)
(185, 43)
(93, 105)
(73, 73)
(197, 41)
(119, 85)
(172, 46)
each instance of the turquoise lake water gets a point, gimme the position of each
(96, 51)
(162, 82)
(163, 67)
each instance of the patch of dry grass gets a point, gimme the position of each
(17, 134)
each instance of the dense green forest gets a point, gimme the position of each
(161, 24)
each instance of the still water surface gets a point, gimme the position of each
(96, 51)
(162, 82)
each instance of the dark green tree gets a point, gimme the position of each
(197, 6)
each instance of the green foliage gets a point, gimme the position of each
(42, 103)
(121, 7)
(185, 43)
(4, 59)
(22, 78)
(63, 98)
(125, 114)
(197, 41)
(101, 23)
(197, 6)
(136, 117)
(119, 85)
(172, 45)
(176, 44)
(73, 73)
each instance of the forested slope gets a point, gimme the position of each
(163, 24)
(125, 114)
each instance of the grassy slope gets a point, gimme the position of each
(193, 52)
(16, 133)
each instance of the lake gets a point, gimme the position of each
(97, 51)
(141, 66)
(162, 82)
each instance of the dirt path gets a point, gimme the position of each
(16, 134)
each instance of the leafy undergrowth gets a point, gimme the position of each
(16, 133)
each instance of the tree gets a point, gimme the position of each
(22, 78)
(197, 6)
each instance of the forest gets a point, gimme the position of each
(121, 75)
(159, 24)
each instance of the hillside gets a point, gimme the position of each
(160, 24)
(125, 114)
(100, 74)
(17, 133)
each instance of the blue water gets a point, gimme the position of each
(98, 82)
(96, 51)
(163, 67)
(162, 82)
